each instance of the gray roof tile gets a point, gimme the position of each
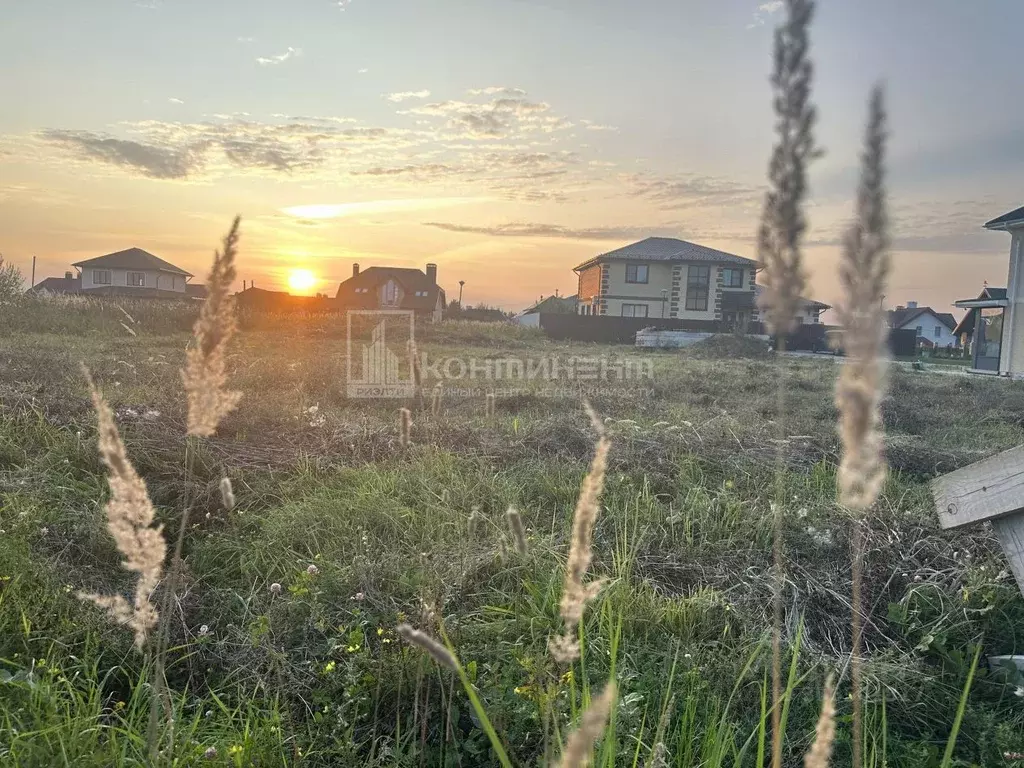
(132, 258)
(669, 249)
(1013, 217)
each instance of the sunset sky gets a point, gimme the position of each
(505, 140)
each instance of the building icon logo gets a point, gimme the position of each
(374, 369)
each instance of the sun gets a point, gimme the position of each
(301, 280)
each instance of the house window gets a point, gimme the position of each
(636, 273)
(101, 277)
(732, 278)
(697, 281)
(920, 330)
(391, 292)
(938, 331)
(634, 310)
(137, 279)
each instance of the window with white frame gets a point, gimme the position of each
(101, 277)
(938, 331)
(634, 310)
(137, 279)
(636, 273)
(732, 278)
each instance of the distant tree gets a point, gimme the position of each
(11, 280)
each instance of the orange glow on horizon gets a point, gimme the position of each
(302, 280)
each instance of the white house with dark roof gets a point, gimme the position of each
(665, 277)
(995, 320)
(132, 272)
(933, 328)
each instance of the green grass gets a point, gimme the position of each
(316, 676)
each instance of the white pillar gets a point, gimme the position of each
(1011, 359)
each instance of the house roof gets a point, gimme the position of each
(411, 280)
(59, 285)
(759, 289)
(901, 317)
(668, 249)
(1007, 220)
(132, 258)
(557, 304)
(196, 291)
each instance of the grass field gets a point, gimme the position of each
(362, 533)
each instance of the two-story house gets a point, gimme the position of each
(133, 272)
(662, 277)
(394, 288)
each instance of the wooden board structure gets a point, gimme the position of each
(992, 490)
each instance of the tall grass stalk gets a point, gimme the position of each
(863, 272)
(779, 242)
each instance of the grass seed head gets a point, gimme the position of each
(227, 494)
(820, 753)
(515, 524)
(204, 374)
(580, 744)
(863, 272)
(434, 648)
(404, 427)
(131, 522)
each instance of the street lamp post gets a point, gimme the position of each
(461, 283)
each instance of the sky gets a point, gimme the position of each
(504, 140)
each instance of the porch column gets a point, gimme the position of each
(1011, 358)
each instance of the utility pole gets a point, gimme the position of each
(33, 283)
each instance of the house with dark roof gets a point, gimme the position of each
(394, 288)
(933, 328)
(70, 283)
(994, 323)
(665, 277)
(132, 272)
(808, 311)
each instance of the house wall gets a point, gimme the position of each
(163, 281)
(670, 277)
(928, 323)
(1011, 359)
(589, 283)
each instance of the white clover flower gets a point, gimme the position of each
(312, 570)
(275, 588)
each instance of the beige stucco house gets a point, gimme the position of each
(132, 272)
(662, 277)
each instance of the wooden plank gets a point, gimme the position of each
(1011, 537)
(986, 490)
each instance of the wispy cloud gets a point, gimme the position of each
(362, 71)
(495, 90)
(338, 210)
(152, 161)
(500, 117)
(280, 58)
(173, 100)
(521, 229)
(763, 11)
(246, 39)
(407, 95)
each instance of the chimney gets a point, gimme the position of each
(432, 273)
(911, 305)
(355, 269)
(900, 307)
(68, 276)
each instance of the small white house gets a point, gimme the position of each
(133, 272)
(934, 329)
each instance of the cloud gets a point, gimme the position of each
(498, 118)
(494, 90)
(406, 95)
(363, 71)
(338, 210)
(246, 39)
(691, 190)
(519, 229)
(592, 126)
(173, 100)
(153, 161)
(171, 150)
(279, 58)
(763, 10)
